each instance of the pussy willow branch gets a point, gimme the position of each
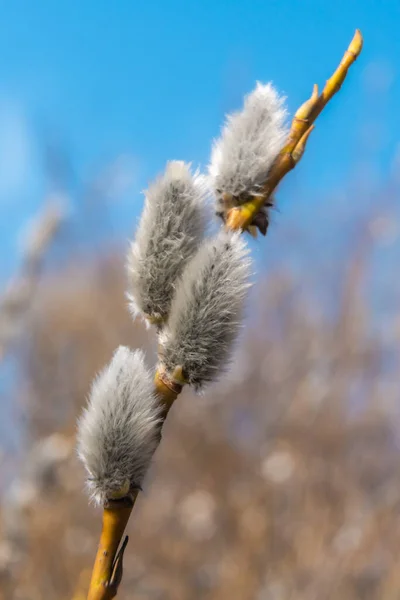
(107, 570)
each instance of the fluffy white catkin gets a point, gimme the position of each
(170, 231)
(118, 431)
(206, 313)
(250, 141)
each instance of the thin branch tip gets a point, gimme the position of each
(240, 218)
(356, 43)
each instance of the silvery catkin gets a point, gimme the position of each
(118, 431)
(171, 229)
(249, 143)
(207, 310)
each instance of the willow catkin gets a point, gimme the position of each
(171, 229)
(207, 310)
(118, 431)
(249, 143)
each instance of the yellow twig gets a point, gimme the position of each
(107, 570)
(168, 389)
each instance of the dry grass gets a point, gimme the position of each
(282, 483)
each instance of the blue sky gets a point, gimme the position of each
(153, 80)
